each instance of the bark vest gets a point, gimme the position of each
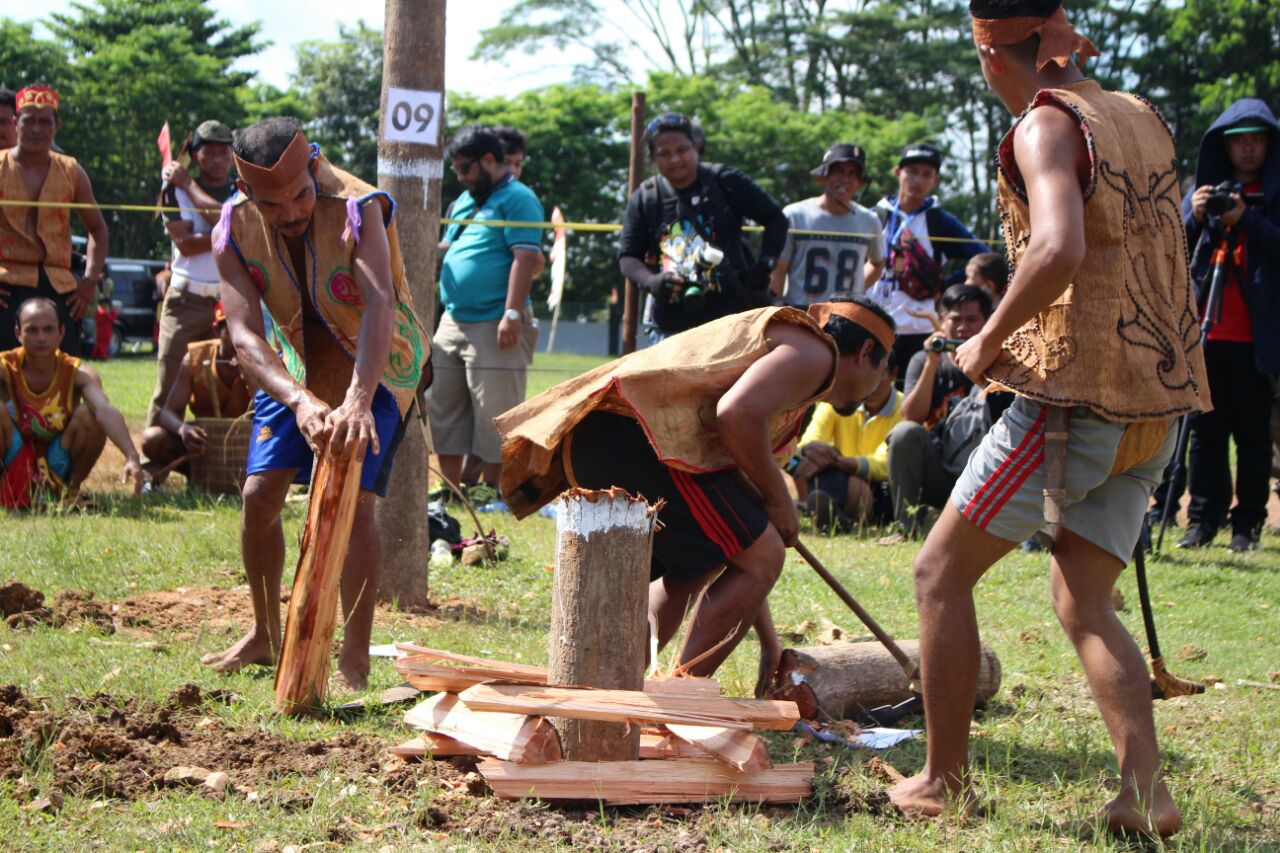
(20, 254)
(40, 417)
(671, 388)
(329, 277)
(1124, 338)
(207, 386)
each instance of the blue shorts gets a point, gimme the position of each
(275, 441)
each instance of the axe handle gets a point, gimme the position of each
(908, 665)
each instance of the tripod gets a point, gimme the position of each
(1222, 263)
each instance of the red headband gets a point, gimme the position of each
(866, 318)
(293, 161)
(1058, 39)
(38, 97)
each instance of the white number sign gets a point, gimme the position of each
(412, 116)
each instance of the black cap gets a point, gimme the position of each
(921, 152)
(841, 152)
(210, 131)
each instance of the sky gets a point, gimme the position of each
(287, 22)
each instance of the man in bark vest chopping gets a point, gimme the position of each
(318, 247)
(678, 422)
(1098, 336)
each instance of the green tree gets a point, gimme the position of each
(339, 88)
(138, 64)
(25, 59)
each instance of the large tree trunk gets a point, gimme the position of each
(843, 680)
(413, 58)
(599, 609)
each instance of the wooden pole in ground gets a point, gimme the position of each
(410, 168)
(631, 294)
(599, 603)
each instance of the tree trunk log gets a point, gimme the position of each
(845, 679)
(412, 172)
(303, 674)
(599, 608)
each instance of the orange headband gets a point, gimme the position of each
(1058, 39)
(866, 318)
(295, 159)
(38, 97)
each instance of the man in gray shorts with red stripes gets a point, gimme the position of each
(1098, 336)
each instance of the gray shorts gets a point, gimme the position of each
(1001, 490)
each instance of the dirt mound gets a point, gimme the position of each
(106, 746)
(17, 597)
(185, 609)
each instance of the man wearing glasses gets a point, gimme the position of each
(486, 337)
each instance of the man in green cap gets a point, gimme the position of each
(187, 312)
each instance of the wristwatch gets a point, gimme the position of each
(511, 314)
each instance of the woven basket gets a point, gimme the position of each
(220, 469)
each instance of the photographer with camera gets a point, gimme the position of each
(682, 240)
(1233, 222)
(943, 417)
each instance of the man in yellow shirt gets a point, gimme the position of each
(843, 457)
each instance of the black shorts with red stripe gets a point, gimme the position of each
(707, 520)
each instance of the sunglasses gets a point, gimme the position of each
(463, 167)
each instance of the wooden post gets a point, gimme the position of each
(845, 679)
(303, 673)
(631, 294)
(599, 605)
(410, 168)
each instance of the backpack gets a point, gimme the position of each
(967, 422)
(917, 273)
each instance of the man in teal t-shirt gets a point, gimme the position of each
(485, 341)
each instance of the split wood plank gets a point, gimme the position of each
(434, 745)
(422, 652)
(745, 751)
(639, 782)
(624, 706)
(425, 672)
(303, 674)
(658, 745)
(512, 737)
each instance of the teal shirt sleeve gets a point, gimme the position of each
(523, 207)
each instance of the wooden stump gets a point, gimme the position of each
(599, 608)
(845, 679)
(303, 675)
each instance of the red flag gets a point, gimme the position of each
(163, 143)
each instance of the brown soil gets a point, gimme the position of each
(105, 746)
(71, 607)
(18, 598)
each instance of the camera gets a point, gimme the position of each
(1220, 200)
(706, 259)
(942, 344)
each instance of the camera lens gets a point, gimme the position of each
(693, 297)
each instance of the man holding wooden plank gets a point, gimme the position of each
(677, 422)
(318, 247)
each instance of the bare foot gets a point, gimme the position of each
(348, 680)
(1125, 815)
(928, 796)
(252, 648)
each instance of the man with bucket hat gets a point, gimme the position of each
(849, 255)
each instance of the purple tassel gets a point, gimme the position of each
(354, 220)
(224, 224)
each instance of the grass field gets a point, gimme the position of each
(167, 568)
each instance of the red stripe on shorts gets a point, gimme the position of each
(704, 514)
(1019, 473)
(994, 484)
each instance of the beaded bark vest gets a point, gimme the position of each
(20, 254)
(210, 396)
(671, 388)
(1124, 338)
(342, 200)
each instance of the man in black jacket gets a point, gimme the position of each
(687, 208)
(1242, 352)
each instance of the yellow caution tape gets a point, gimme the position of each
(486, 223)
